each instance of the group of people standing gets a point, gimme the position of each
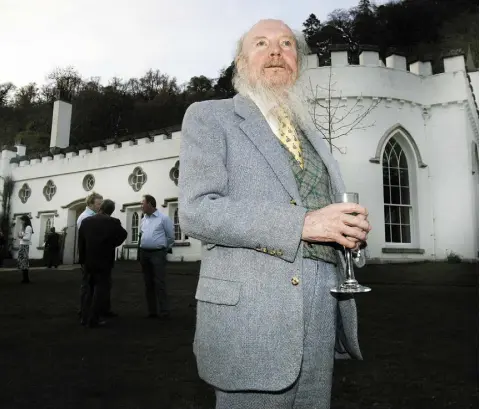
(99, 235)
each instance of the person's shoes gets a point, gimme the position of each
(152, 316)
(110, 314)
(25, 281)
(165, 316)
(96, 324)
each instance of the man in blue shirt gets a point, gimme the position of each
(157, 237)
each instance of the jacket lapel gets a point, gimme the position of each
(256, 127)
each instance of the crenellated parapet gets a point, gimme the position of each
(151, 144)
(396, 82)
(369, 56)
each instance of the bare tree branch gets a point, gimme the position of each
(327, 117)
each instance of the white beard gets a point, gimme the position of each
(290, 98)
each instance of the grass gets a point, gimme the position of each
(418, 332)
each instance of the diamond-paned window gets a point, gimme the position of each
(49, 190)
(88, 182)
(24, 193)
(137, 179)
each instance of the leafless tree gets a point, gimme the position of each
(329, 116)
(5, 90)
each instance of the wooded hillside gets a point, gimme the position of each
(422, 28)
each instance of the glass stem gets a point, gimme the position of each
(349, 260)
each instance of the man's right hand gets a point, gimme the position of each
(335, 223)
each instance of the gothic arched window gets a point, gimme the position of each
(134, 227)
(176, 225)
(396, 194)
(49, 224)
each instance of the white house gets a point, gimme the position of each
(415, 165)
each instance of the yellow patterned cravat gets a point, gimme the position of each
(289, 137)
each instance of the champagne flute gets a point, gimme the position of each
(350, 285)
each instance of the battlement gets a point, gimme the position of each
(369, 57)
(394, 83)
(147, 146)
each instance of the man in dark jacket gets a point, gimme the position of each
(52, 247)
(98, 237)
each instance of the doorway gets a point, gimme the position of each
(70, 251)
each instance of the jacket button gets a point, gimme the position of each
(293, 202)
(279, 253)
(295, 281)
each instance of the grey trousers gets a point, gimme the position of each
(312, 389)
(153, 268)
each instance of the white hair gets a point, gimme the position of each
(290, 98)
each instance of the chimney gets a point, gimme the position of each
(62, 115)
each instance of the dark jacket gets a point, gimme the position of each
(98, 237)
(53, 242)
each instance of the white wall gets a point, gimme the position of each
(438, 112)
(452, 184)
(111, 169)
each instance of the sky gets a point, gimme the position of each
(125, 38)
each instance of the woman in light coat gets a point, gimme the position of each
(25, 240)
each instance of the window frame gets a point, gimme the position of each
(129, 211)
(137, 227)
(173, 214)
(411, 161)
(43, 227)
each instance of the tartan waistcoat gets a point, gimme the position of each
(315, 190)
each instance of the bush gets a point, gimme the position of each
(453, 257)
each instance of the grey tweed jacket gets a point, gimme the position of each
(238, 195)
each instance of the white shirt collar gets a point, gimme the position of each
(266, 108)
(156, 213)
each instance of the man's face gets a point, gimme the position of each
(146, 207)
(96, 205)
(270, 54)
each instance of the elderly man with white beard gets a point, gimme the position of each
(256, 187)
